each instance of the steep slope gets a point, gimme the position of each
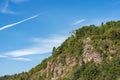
(91, 53)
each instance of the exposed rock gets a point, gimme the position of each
(87, 40)
(89, 54)
(55, 71)
(112, 50)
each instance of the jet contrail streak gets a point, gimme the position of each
(13, 24)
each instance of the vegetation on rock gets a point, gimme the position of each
(91, 53)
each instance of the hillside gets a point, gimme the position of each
(91, 53)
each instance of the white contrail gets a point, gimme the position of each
(78, 22)
(13, 24)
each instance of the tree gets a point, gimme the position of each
(54, 49)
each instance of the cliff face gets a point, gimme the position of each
(91, 53)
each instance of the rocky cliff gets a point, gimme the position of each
(91, 53)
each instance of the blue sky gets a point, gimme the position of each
(29, 29)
